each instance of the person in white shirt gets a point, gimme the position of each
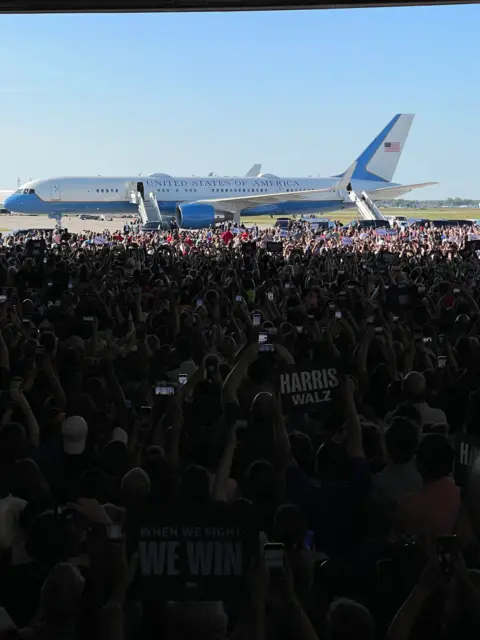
(415, 392)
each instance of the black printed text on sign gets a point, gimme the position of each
(193, 556)
(313, 388)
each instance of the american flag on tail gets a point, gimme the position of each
(391, 147)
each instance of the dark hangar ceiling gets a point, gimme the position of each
(102, 6)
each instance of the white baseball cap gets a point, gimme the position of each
(120, 435)
(74, 433)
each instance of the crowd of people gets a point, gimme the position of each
(302, 393)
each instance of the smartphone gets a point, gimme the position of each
(441, 362)
(266, 347)
(287, 285)
(49, 284)
(145, 410)
(262, 337)
(241, 429)
(182, 378)
(70, 285)
(164, 390)
(378, 329)
(238, 299)
(456, 292)
(256, 319)
(211, 365)
(273, 554)
(114, 532)
(299, 328)
(447, 551)
(338, 315)
(395, 318)
(88, 318)
(421, 289)
(270, 295)
(58, 303)
(309, 540)
(3, 299)
(199, 302)
(427, 340)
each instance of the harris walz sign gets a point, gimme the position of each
(466, 453)
(313, 386)
(195, 554)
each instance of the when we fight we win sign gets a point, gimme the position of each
(195, 556)
(309, 388)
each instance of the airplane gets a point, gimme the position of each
(197, 203)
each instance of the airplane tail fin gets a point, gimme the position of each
(379, 160)
(254, 171)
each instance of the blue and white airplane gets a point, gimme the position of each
(199, 202)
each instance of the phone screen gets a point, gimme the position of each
(447, 551)
(256, 318)
(182, 378)
(114, 532)
(273, 553)
(441, 362)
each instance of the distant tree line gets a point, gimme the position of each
(431, 204)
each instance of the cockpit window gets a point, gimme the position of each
(19, 191)
(30, 191)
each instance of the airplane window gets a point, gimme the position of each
(116, 190)
(101, 190)
(98, 190)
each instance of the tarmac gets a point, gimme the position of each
(72, 223)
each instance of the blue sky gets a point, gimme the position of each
(302, 92)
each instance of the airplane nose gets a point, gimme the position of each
(13, 203)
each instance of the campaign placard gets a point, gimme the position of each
(311, 387)
(467, 451)
(195, 554)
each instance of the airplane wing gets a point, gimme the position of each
(394, 192)
(235, 205)
(254, 171)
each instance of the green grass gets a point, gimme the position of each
(351, 214)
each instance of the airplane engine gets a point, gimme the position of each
(195, 216)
